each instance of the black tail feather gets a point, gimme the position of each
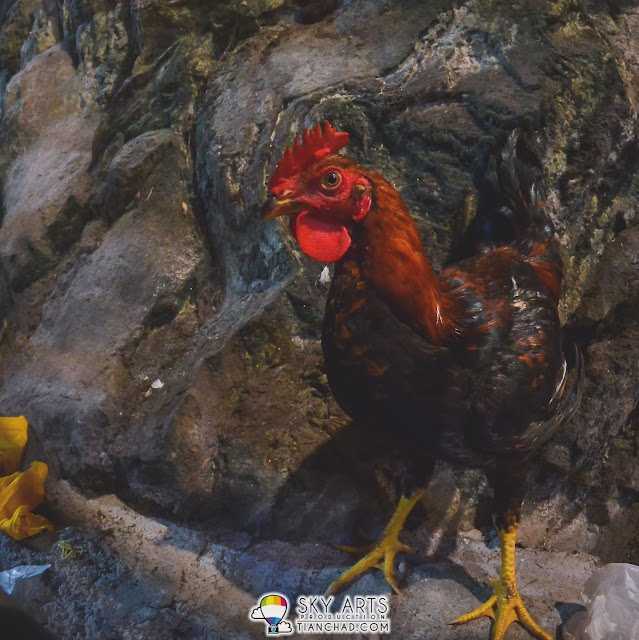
(511, 207)
(561, 408)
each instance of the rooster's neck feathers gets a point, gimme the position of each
(393, 261)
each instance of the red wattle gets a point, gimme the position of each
(320, 239)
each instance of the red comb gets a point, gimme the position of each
(316, 144)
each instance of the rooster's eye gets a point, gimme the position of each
(331, 180)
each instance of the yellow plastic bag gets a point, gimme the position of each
(13, 439)
(21, 491)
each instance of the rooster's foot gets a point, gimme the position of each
(506, 605)
(382, 554)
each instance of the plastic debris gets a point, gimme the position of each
(10, 577)
(325, 276)
(13, 439)
(20, 492)
(611, 596)
(157, 384)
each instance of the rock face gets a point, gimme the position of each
(164, 343)
(45, 166)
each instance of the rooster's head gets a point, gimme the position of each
(325, 195)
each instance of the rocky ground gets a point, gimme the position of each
(136, 577)
(163, 343)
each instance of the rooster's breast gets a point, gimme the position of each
(379, 369)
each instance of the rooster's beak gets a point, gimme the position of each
(275, 208)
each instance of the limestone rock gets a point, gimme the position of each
(45, 168)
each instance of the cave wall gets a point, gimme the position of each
(164, 343)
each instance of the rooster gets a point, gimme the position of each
(466, 365)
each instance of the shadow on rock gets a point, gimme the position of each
(345, 493)
(342, 493)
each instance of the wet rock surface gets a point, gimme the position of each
(164, 343)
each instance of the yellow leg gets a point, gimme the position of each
(382, 554)
(506, 605)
